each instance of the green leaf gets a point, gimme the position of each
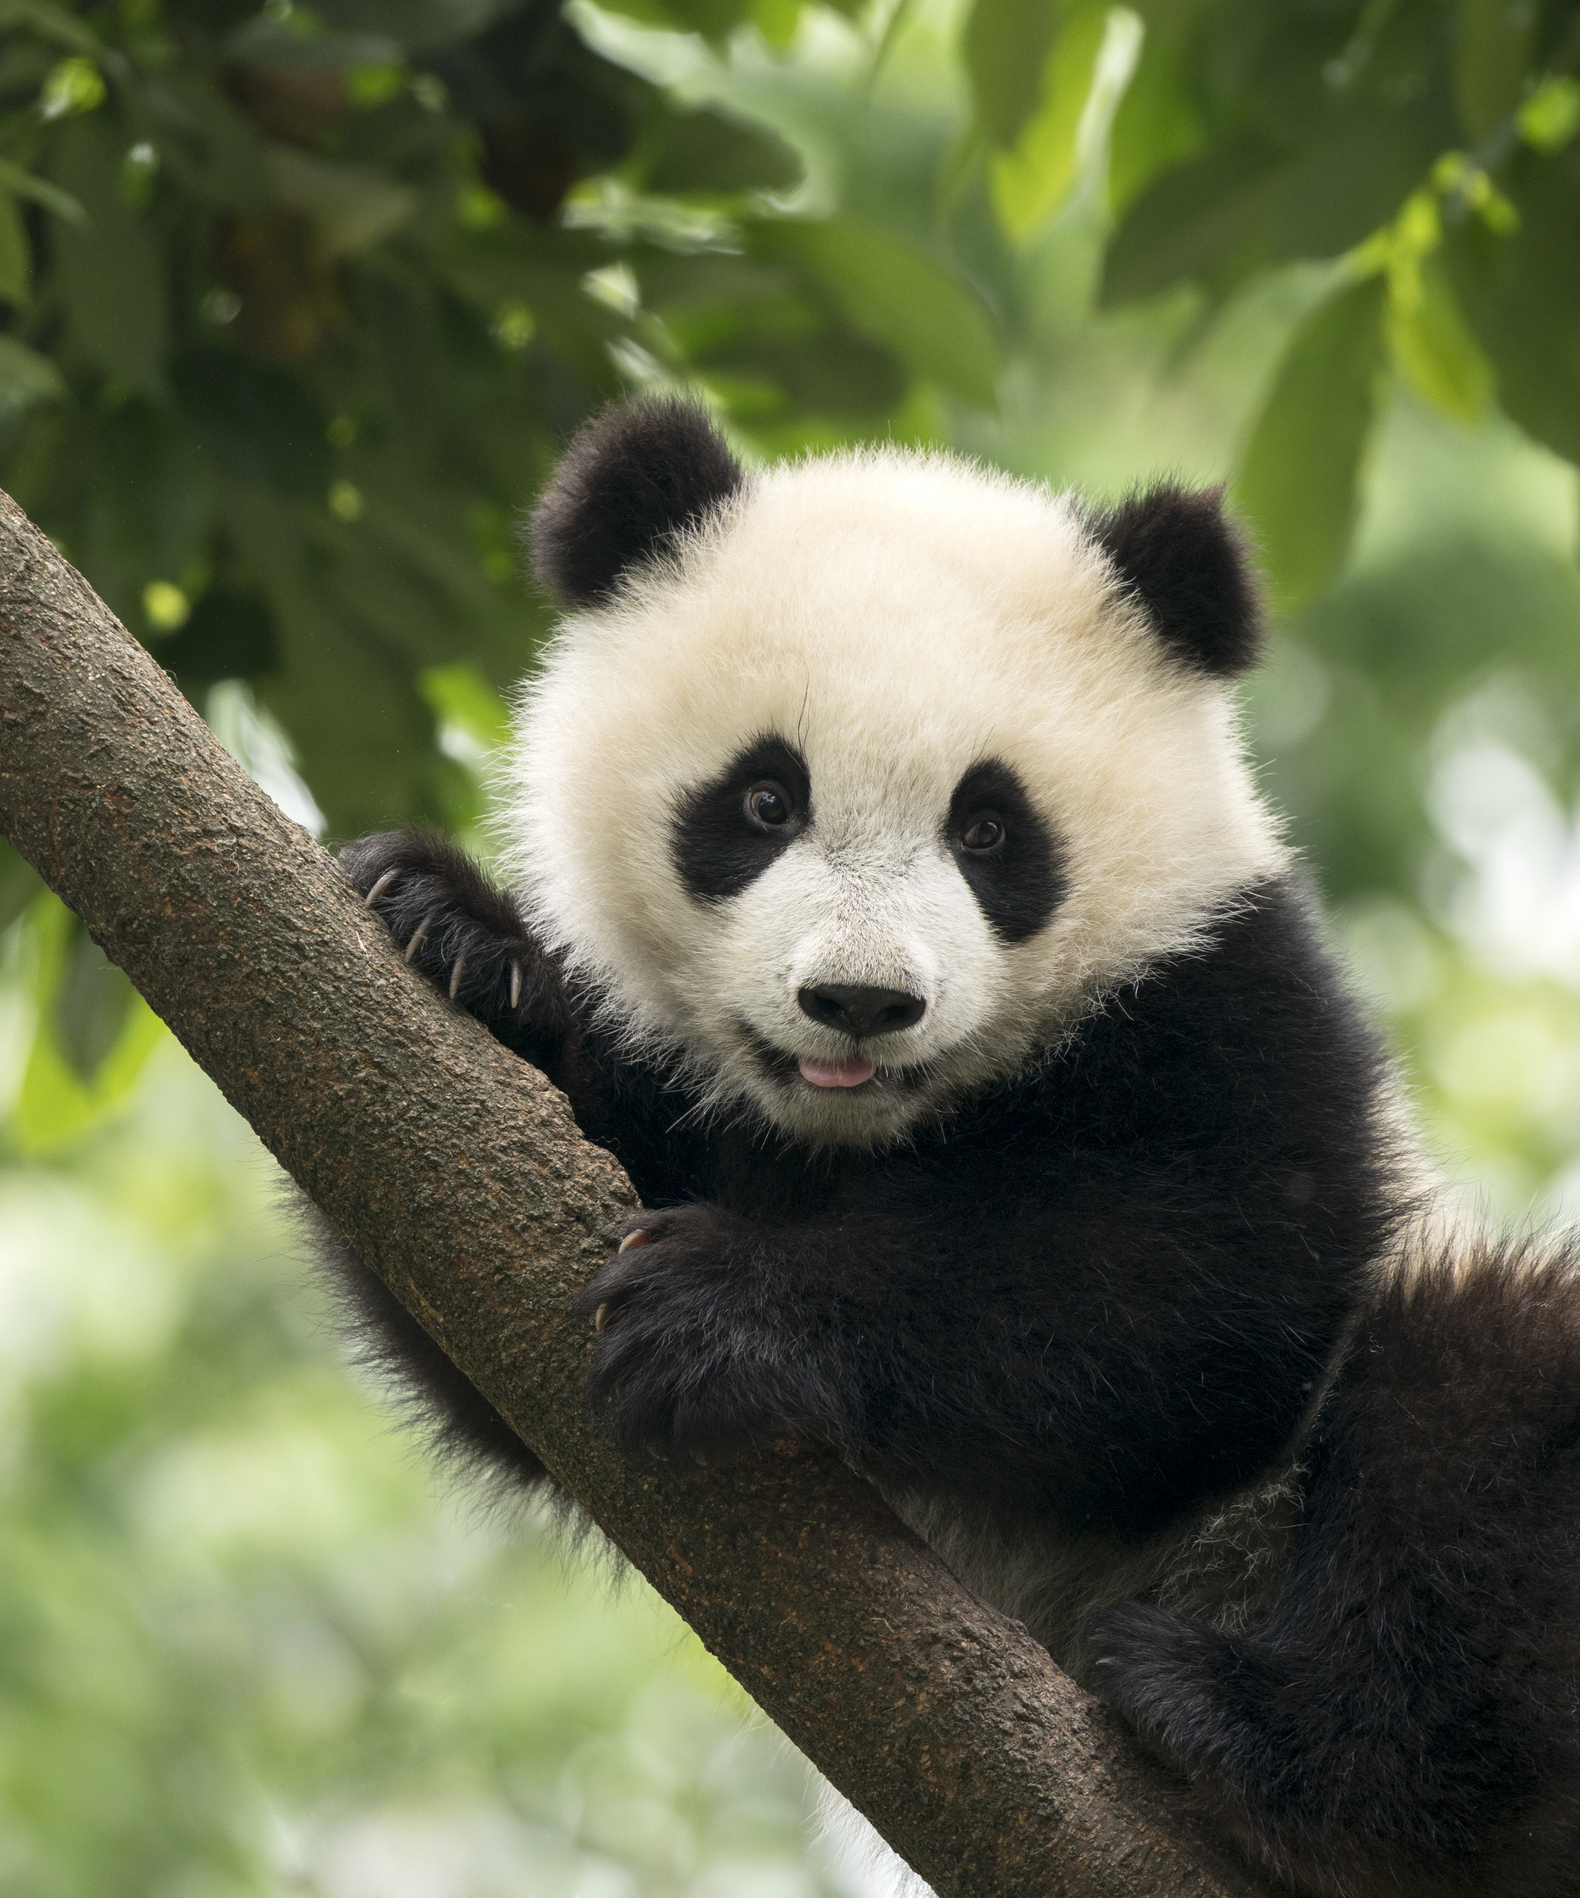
(49, 22)
(1030, 182)
(459, 695)
(704, 151)
(1521, 292)
(896, 294)
(1550, 117)
(350, 207)
(110, 273)
(1433, 348)
(25, 378)
(26, 184)
(19, 884)
(1198, 220)
(1299, 479)
(1007, 43)
(91, 1007)
(95, 1033)
(1156, 126)
(712, 18)
(211, 147)
(1352, 178)
(16, 257)
(1493, 55)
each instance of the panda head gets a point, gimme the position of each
(850, 786)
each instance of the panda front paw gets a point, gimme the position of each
(687, 1361)
(456, 928)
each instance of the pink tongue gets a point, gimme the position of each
(837, 1073)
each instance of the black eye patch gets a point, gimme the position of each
(728, 831)
(1009, 857)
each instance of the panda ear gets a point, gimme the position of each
(1189, 564)
(634, 478)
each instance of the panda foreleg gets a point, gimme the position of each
(1407, 1720)
(465, 935)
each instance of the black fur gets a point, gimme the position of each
(1099, 1294)
(1019, 883)
(1405, 1722)
(717, 849)
(633, 479)
(1095, 1299)
(1186, 560)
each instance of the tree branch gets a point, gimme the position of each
(457, 1173)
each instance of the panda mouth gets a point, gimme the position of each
(848, 1073)
(855, 1072)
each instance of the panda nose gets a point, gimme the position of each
(861, 1011)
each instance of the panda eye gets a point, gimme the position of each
(984, 832)
(767, 806)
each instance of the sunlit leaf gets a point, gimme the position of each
(1030, 181)
(1434, 349)
(1550, 117)
(1299, 478)
(1157, 124)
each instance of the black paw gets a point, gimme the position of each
(688, 1359)
(1199, 1696)
(457, 929)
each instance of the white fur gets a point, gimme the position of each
(898, 617)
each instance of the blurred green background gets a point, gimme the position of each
(295, 309)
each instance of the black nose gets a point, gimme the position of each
(861, 1011)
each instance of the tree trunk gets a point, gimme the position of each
(457, 1173)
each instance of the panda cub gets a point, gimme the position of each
(887, 888)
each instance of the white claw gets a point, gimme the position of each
(455, 976)
(641, 1237)
(419, 935)
(600, 1318)
(379, 888)
(515, 986)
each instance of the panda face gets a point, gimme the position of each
(866, 795)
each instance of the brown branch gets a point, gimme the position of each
(457, 1173)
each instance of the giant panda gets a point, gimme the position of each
(885, 884)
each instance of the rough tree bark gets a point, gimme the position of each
(458, 1174)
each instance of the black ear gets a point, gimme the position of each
(1190, 566)
(633, 478)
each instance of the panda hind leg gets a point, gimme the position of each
(1407, 1720)
(458, 1422)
